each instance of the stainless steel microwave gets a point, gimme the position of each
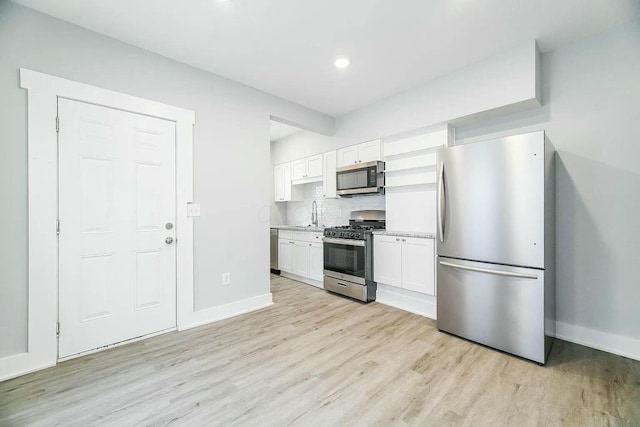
(360, 179)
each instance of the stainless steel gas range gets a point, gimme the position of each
(348, 256)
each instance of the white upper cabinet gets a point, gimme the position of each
(314, 166)
(370, 151)
(348, 155)
(298, 169)
(282, 182)
(330, 175)
(361, 153)
(310, 167)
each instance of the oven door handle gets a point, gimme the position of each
(347, 242)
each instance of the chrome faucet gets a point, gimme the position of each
(314, 213)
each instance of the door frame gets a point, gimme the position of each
(43, 91)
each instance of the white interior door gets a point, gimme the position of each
(117, 275)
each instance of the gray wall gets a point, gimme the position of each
(591, 98)
(231, 150)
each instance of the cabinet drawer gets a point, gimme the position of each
(285, 234)
(302, 236)
(315, 237)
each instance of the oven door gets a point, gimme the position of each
(344, 259)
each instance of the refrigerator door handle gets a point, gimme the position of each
(441, 203)
(489, 271)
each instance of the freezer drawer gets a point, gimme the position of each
(494, 305)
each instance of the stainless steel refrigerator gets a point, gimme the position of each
(495, 272)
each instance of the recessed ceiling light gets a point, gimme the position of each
(342, 62)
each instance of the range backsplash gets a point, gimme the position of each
(330, 211)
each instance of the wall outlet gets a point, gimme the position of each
(226, 279)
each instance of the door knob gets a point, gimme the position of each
(168, 240)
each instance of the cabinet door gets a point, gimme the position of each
(369, 151)
(278, 183)
(314, 166)
(348, 155)
(387, 260)
(301, 259)
(330, 175)
(316, 261)
(285, 254)
(286, 178)
(298, 169)
(418, 265)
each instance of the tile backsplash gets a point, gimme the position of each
(330, 211)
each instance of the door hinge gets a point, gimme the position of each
(58, 330)
(57, 123)
(57, 227)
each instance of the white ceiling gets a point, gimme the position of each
(287, 47)
(280, 130)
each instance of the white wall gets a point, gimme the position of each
(591, 96)
(504, 82)
(231, 151)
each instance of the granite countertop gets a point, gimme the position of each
(300, 228)
(405, 234)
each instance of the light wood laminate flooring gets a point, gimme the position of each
(319, 359)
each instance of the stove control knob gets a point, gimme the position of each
(352, 235)
(357, 235)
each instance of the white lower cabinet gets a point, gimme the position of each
(301, 253)
(285, 255)
(301, 259)
(418, 265)
(387, 260)
(316, 261)
(405, 262)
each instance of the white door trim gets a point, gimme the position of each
(43, 91)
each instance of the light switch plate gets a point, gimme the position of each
(193, 209)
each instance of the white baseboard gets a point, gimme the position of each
(221, 312)
(611, 343)
(21, 364)
(413, 302)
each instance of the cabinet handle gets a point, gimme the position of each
(292, 243)
(309, 244)
(404, 240)
(397, 240)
